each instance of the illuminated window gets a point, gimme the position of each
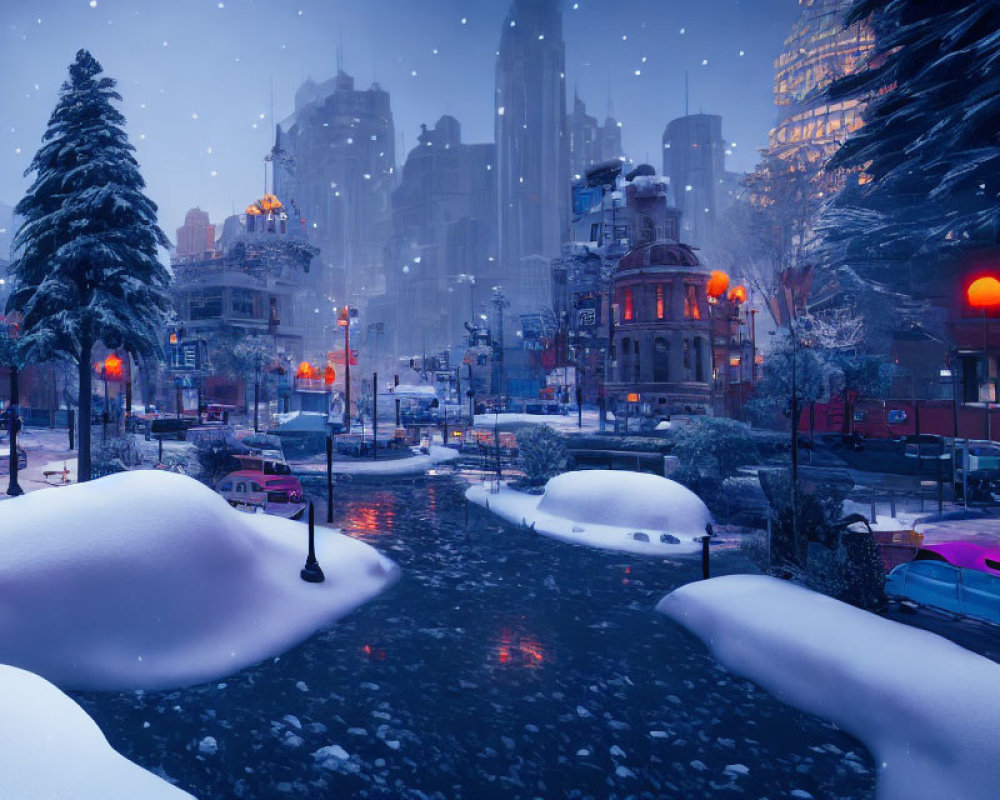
(629, 312)
(691, 310)
(659, 301)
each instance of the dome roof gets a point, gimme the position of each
(659, 254)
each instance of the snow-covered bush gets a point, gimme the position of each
(543, 455)
(117, 453)
(215, 460)
(812, 548)
(710, 451)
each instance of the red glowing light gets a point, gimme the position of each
(110, 368)
(738, 294)
(329, 375)
(984, 292)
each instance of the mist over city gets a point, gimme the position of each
(514, 399)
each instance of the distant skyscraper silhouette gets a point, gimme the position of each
(532, 149)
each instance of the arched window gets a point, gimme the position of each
(691, 310)
(699, 361)
(637, 378)
(661, 360)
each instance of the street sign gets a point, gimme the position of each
(189, 356)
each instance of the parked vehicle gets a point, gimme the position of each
(168, 428)
(983, 485)
(22, 459)
(269, 488)
(945, 587)
(963, 554)
(926, 445)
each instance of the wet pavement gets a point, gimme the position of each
(501, 665)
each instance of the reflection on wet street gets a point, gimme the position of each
(502, 665)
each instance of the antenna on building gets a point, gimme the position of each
(686, 92)
(340, 53)
(611, 103)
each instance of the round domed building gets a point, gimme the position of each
(661, 346)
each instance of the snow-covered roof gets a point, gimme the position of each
(148, 579)
(927, 709)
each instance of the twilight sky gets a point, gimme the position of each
(197, 75)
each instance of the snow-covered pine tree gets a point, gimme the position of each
(85, 263)
(930, 143)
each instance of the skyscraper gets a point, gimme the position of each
(817, 51)
(694, 159)
(196, 235)
(441, 259)
(591, 143)
(532, 149)
(335, 160)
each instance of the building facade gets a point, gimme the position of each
(335, 159)
(532, 152)
(591, 143)
(196, 236)
(248, 287)
(817, 51)
(694, 159)
(442, 255)
(662, 341)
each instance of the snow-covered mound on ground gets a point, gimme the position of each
(634, 499)
(414, 464)
(50, 748)
(611, 509)
(149, 579)
(928, 709)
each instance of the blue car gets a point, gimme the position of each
(957, 590)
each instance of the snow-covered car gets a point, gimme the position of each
(22, 459)
(943, 586)
(256, 491)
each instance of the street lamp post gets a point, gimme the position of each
(718, 282)
(9, 332)
(984, 293)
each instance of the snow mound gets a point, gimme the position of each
(609, 509)
(631, 499)
(927, 709)
(49, 747)
(148, 579)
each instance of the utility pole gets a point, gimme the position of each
(795, 435)
(374, 416)
(346, 322)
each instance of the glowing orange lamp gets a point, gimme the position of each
(984, 293)
(306, 371)
(738, 294)
(329, 375)
(113, 368)
(718, 282)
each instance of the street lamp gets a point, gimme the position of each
(108, 370)
(984, 293)
(718, 282)
(9, 328)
